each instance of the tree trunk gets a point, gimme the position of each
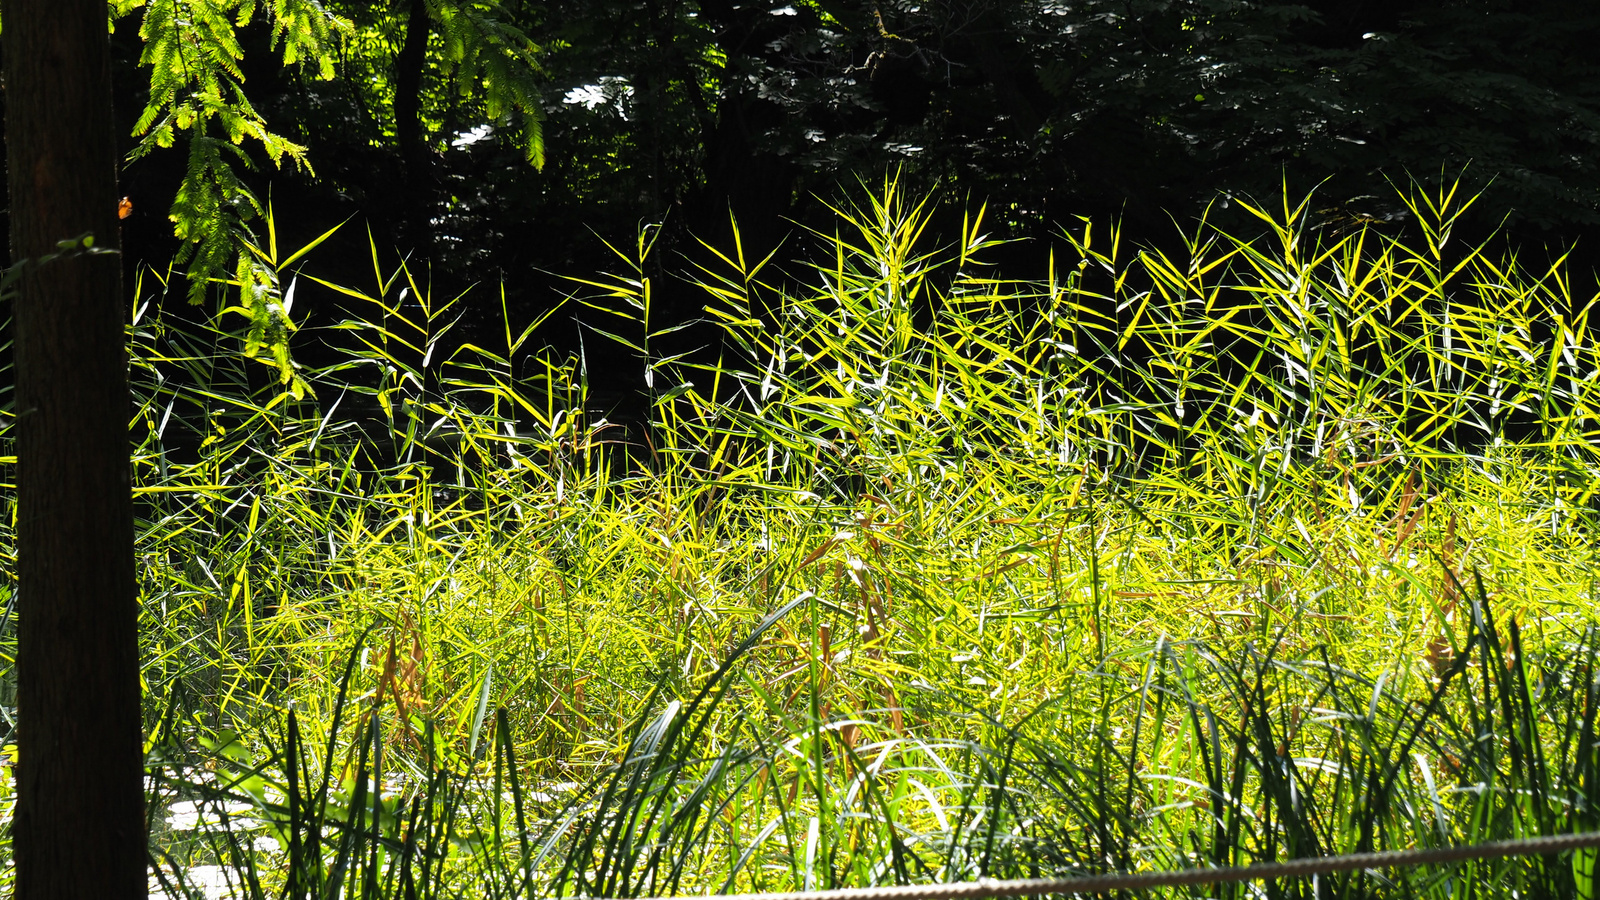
(409, 64)
(754, 184)
(79, 828)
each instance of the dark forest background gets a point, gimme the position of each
(584, 119)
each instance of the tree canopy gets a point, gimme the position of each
(493, 136)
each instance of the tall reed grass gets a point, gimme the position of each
(1280, 548)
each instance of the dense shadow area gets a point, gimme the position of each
(683, 114)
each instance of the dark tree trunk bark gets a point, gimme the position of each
(79, 829)
(408, 65)
(754, 184)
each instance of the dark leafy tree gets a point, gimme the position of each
(685, 111)
(1048, 109)
(485, 58)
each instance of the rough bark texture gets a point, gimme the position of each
(79, 828)
(409, 64)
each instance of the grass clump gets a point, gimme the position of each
(1277, 550)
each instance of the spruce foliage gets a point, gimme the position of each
(490, 59)
(192, 50)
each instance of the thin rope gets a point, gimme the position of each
(1090, 884)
